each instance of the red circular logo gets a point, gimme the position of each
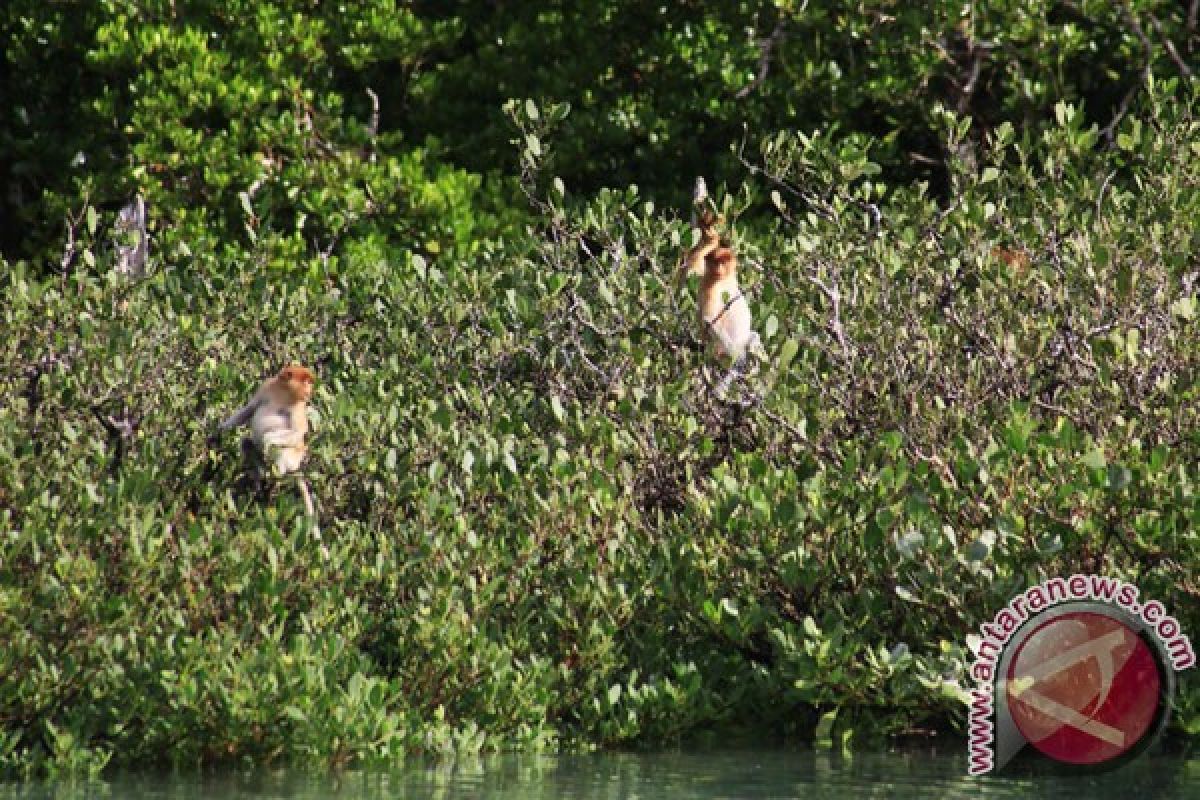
(1083, 688)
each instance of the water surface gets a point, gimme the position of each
(686, 774)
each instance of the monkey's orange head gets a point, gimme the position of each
(721, 264)
(299, 380)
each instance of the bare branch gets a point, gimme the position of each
(373, 125)
(835, 301)
(699, 195)
(765, 49)
(131, 258)
(1138, 31)
(1109, 130)
(978, 52)
(1103, 188)
(1184, 69)
(69, 248)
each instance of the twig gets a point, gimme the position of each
(69, 248)
(1138, 31)
(373, 125)
(835, 300)
(131, 260)
(978, 52)
(699, 195)
(1109, 130)
(1103, 189)
(766, 48)
(1170, 46)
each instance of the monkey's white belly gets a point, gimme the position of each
(269, 423)
(288, 459)
(278, 439)
(728, 325)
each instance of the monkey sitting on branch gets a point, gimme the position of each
(278, 418)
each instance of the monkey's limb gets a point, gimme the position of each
(242, 415)
(693, 262)
(254, 467)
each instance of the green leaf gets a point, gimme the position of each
(1119, 477)
(1094, 459)
(824, 731)
(771, 327)
(1184, 307)
(786, 354)
(294, 713)
(1063, 113)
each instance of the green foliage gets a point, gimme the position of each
(662, 89)
(539, 526)
(233, 120)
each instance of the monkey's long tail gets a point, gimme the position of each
(311, 511)
(304, 493)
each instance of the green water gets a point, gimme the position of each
(698, 775)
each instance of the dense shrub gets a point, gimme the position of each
(539, 525)
(234, 120)
(659, 87)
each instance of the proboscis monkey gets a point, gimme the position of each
(1017, 260)
(724, 313)
(278, 417)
